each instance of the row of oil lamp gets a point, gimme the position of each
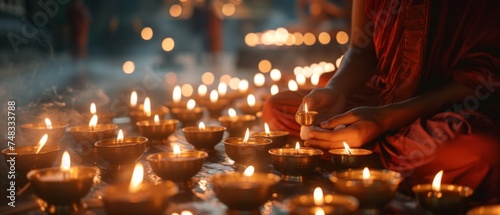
(66, 185)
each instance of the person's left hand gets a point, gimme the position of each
(363, 125)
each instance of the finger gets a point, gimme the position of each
(346, 118)
(338, 135)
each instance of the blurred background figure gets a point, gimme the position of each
(322, 15)
(79, 19)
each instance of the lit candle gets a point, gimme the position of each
(147, 107)
(133, 99)
(251, 100)
(48, 123)
(436, 183)
(247, 135)
(177, 94)
(176, 150)
(350, 158)
(318, 196)
(119, 137)
(214, 96)
(202, 90)
(137, 177)
(156, 119)
(347, 149)
(267, 130)
(259, 79)
(41, 143)
(222, 89)
(243, 86)
(296, 162)
(249, 171)
(232, 113)
(321, 204)
(305, 117)
(297, 148)
(93, 122)
(201, 126)
(279, 138)
(191, 104)
(189, 115)
(93, 109)
(203, 137)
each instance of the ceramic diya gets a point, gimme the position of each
(203, 137)
(295, 163)
(157, 131)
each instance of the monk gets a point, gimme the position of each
(419, 85)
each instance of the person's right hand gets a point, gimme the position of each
(328, 102)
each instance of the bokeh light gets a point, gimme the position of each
(147, 33)
(275, 75)
(342, 37)
(187, 90)
(128, 67)
(168, 44)
(251, 39)
(309, 39)
(228, 9)
(175, 10)
(234, 83)
(259, 79)
(324, 38)
(265, 66)
(208, 78)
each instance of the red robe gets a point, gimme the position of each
(422, 45)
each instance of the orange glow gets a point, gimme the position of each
(231, 112)
(299, 38)
(292, 85)
(225, 79)
(187, 90)
(147, 106)
(48, 123)
(157, 119)
(147, 33)
(252, 40)
(41, 143)
(119, 138)
(137, 177)
(133, 99)
(177, 150)
(207, 78)
(168, 44)
(234, 83)
(290, 40)
(222, 89)
(249, 171)
(228, 9)
(265, 66)
(243, 85)
(202, 90)
(128, 67)
(319, 211)
(175, 10)
(436, 183)
(315, 79)
(297, 146)
(301, 79)
(324, 38)
(342, 37)
(309, 39)
(176, 94)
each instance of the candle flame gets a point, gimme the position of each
(93, 122)
(436, 183)
(137, 177)
(48, 123)
(191, 104)
(319, 211)
(222, 88)
(243, 85)
(247, 135)
(251, 100)
(93, 109)
(202, 90)
(305, 108)
(42, 142)
(297, 146)
(249, 171)
(347, 148)
(366, 173)
(65, 161)
(147, 106)
(119, 138)
(318, 196)
(266, 128)
(231, 112)
(157, 119)
(133, 99)
(201, 126)
(177, 150)
(177, 94)
(274, 89)
(214, 96)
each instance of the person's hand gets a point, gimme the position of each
(363, 125)
(328, 102)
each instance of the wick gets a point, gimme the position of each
(349, 151)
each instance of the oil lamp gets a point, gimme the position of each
(442, 198)
(350, 158)
(203, 137)
(138, 197)
(178, 166)
(236, 124)
(176, 99)
(244, 191)
(305, 117)
(32, 132)
(247, 151)
(188, 115)
(321, 204)
(294, 163)
(373, 188)
(27, 158)
(485, 210)
(215, 105)
(121, 150)
(279, 138)
(86, 135)
(157, 131)
(62, 188)
(147, 113)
